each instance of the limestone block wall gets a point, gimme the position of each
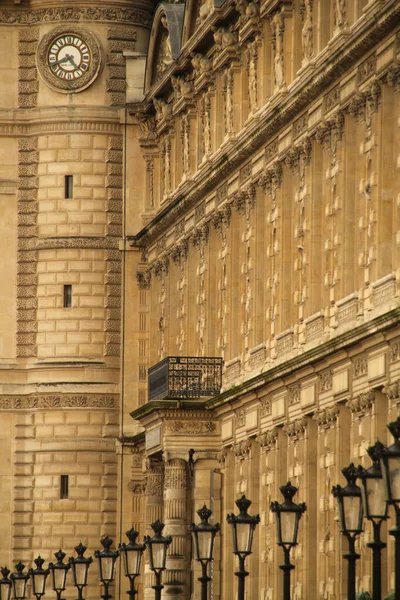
(77, 331)
(77, 442)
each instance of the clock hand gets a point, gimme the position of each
(62, 60)
(71, 60)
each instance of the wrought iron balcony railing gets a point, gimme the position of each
(185, 377)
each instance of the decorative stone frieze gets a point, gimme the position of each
(63, 14)
(188, 427)
(58, 401)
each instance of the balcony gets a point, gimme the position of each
(185, 377)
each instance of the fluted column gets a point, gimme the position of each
(176, 524)
(154, 511)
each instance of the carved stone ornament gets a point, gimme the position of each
(265, 407)
(144, 279)
(393, 77)
(200, 236)
(325, 381)
(295, 428)
(70, 13)
(69, 59)
(361, 403)
(242, 449)
(240, 415)
(326, 416)
(61, 401)
(137, 488)
(175, 474)
(268, 439)
(201, 64)
(392, 390)
(186, 427)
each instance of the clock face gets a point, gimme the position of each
(69, 57)
(69, 60)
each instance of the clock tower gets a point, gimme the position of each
(62, 97)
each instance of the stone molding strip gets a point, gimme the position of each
(61, 15)
(28, 83)
(67, 401)
(99, 243)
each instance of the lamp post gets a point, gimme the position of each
(39, 576)
(19, 581)
(350, 518)
(80, 567)
(243, 526)
(132, 556)
(288, 515)
(157, 546)
(390, 464)
(375, 510)
(59, 572)
(5, 584)
(106, 558)
(203, 539)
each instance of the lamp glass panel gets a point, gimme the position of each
(204, 545)
(375, 500)
(39, 581)
(288, 527)
(59, 578)
(244, 537)
(351, 508)
(107, 568)
(5, 591)
(394, 477)
(19, 588)
(132, 560)
(159, 555)
(80, 573)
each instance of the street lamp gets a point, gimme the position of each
(59, 572)
(19, 581)
(106, 558)
(132, 556)
(80, 567)
(243, 526)
(390, 463)
(39, 576)
(375, 510)
(5, 584)
(350, 518)
(157, 546)
(288, 515)
(203, 539)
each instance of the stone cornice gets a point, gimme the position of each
(76, 14)
(319, 353)
(270, 120)
(164, 410)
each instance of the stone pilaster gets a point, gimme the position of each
(154, 510)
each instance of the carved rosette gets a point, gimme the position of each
(27, 237)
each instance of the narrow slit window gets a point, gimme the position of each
(64, 487)
(67, 296)
(69, 186)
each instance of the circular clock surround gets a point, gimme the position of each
(69, 59)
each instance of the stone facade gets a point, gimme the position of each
(267, 156)
(235, 183)
(60, 341)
